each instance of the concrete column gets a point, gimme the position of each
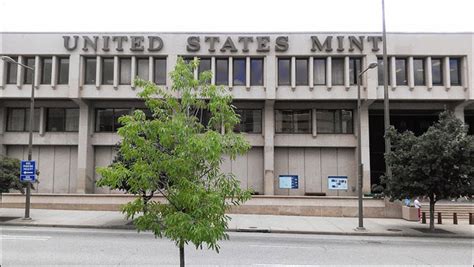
(429, 73)
(42, 121)
(76, 75)
(365, 146)
(293, 73)
(19, 73)
(170, 64)
(213, 70)
(311, 73)
(459, 112)
(411, 74)
(3, 73)
(36, 75)
(231, 73)
(151, 69)
(116, 72)
(346, 73)
(247, 73)
(3, 122)
(98, 72)
(85, 156)
(269, 149)
(371, 77)
(54, 74)
(270, 81)
(328, 72)
(133, 73)
(363, 65)
(464, 73)
(195, 72)
(314, 122)
(446, 73)
(393, 72)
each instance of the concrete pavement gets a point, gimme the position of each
(246, 223)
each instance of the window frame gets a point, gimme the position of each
(26, 122)
(441, 72)
(240, 122)
(280, 83)
(324, 60)
(262, 71)
(155, 59)
(217, 72)
(404, 71)
(114, 129)
(459, 70)
(334, 114)
(108, 59)
(60, 74)
(333, 60)
(9, 67)
(94, 76)
(293, 129)
(423, 64)
(64, 122)
(239, 59)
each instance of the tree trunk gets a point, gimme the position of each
(181, 254)
(432, 210)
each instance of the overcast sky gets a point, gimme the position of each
(236, 15)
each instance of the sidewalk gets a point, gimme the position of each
(245, 223)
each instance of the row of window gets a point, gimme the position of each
(106, 120)
(419, 71)
(46, 70)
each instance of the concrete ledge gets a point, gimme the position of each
(270, 205)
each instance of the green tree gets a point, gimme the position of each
(175, 156)
(10, 175)
(438, 164)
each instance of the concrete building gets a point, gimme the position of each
(296, 93)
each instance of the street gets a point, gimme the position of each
(35, 246)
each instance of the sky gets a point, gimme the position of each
(235, 16)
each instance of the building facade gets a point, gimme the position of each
(296, 94)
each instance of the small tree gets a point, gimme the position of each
(176, 156)
(10, 175)
(438, 164)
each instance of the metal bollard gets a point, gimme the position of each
(455, 218)
(471, 219)
(423, 217)
(440, 220)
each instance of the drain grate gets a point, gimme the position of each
(7, 218)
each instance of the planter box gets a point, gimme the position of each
(410, 213)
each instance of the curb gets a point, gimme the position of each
(246, 230)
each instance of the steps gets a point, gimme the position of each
(447, 210)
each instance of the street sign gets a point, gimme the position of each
(337, 182)
(288, 181)
(28, 171)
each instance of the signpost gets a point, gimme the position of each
(28, 171)
(288, 181)
(337, 183)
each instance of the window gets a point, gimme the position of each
(455, 71)
(46, 70)
(337, 71)
(256, 71)
(204, 65)
(222, 71)
(250, 121)
(107, 71)
(160, 71)
(107, 119)
(380, 71)
(143, 68)
(419, 69)
(319, 71)
(437, 71)
(62, 120)
(293, 121)
(354, 70)
(91, 66)
(18, 119)
(28, 74)
(63, 71)
(284, 71)
(239, 71)
(12, 71)
(334, 121)
(301, 71)
(401, 71)
(125, 71)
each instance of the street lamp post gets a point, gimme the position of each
(30, 123)
(360, 167)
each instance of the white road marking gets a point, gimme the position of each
(273, 246)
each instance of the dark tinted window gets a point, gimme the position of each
(239, 71)
(143, 68)
(125, 71)
(401, 71)
(107, 71)
(337, 71)
(319, 71)
(284, 71)
(46, 70)
(334, 121)
(62, 120)
(28, 74)
(256, 71)
(222, 71)
(354, 70)
(12, 71)
(437, 71)
(107, 119)
(293, 121)
(91, 66)
(204, 65)
(301, 71)
(380, 70)
(250, 121)
(455, 71)
(18, 119)
(160, 71)
(419, 69)
(63, 70)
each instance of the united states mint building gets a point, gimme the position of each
(296, 94)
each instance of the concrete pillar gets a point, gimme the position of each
(19, 72)
(213, 70)
(371, 78)
(311, 73)
(133, 74)
(411, 74)
(3, 73)
(76, 75)
(3, 121)
(346, 73)
(464, 73)
(85, 150)
(42, 121)
(247, 73)
(269, 149)
(230, 74)
(54, 74)
(170, 64)
(365, 146)
(98, 72)
(393, 72)
(293, 73)
(429, 73)
(36, 75)
(328, 73)
(151, 69)
(116, 72)
(446, 73)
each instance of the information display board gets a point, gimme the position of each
(288, 181)
(337, 182)
(28, 171)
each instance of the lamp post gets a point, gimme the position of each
(30, 123)
(360, 168)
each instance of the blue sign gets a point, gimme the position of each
(28, 171)
(337, 182)
(288, 181)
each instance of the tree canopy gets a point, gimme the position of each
(10, 175)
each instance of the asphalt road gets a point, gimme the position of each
(34, 246)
